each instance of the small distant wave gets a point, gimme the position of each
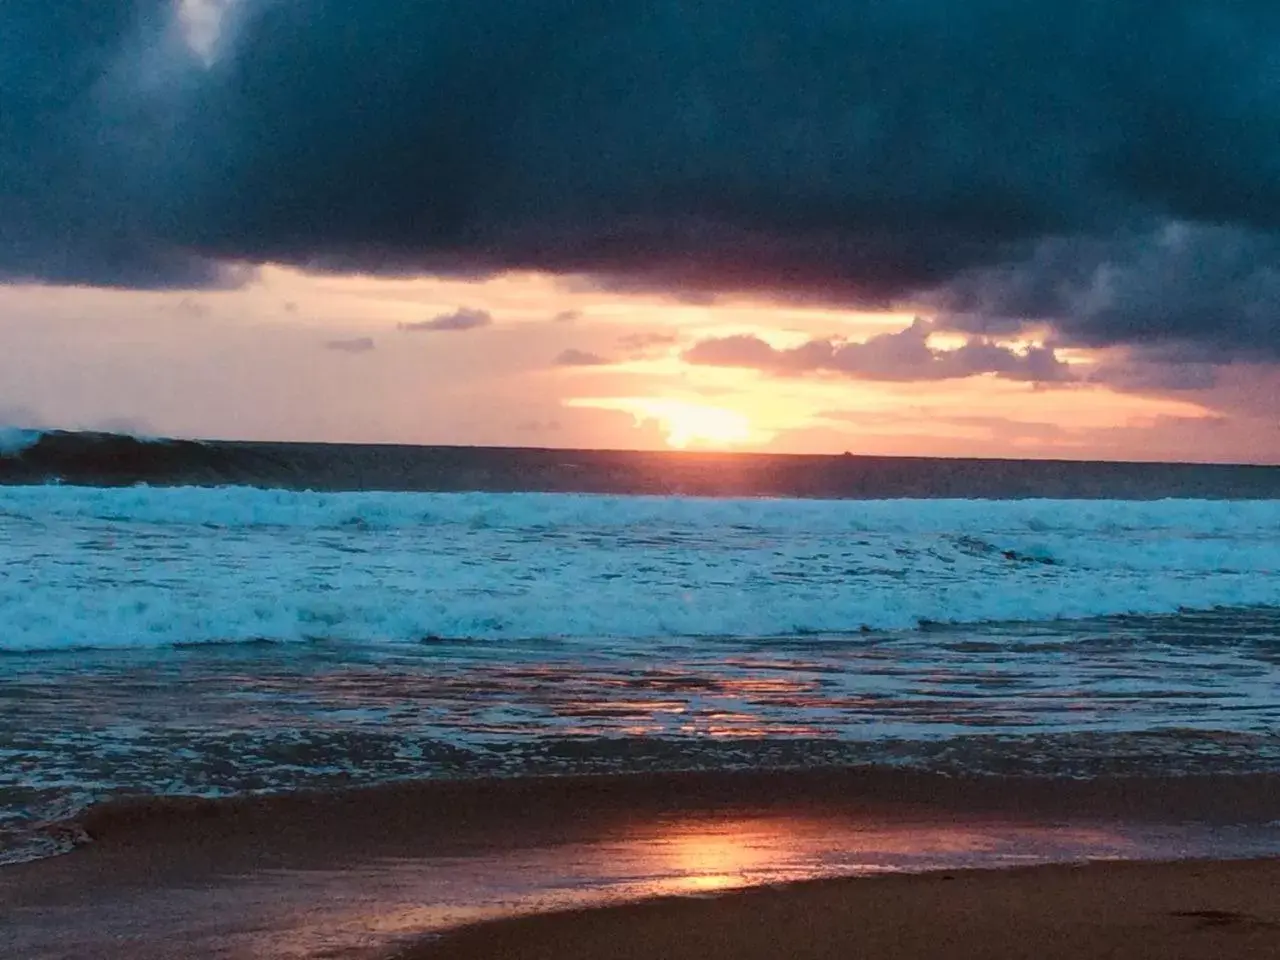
(103, 459)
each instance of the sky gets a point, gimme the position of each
(906, 227)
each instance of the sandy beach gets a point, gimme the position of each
(368, 874)
(1121, 911)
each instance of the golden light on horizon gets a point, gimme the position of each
(685, 424)
(501, 384)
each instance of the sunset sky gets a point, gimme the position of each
(908, 227)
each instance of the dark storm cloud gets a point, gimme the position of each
(354, 345)
(1007, 160)
(579, 358)
(1216, 286)
(1144, 376)
(905, 355)
(72, 207)
(462, 319)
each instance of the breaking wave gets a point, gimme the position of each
(95, 567)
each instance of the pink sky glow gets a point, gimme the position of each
(534, 360)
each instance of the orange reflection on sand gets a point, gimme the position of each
(708, 858)
(679, 854)
(721, 854)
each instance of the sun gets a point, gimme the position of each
(694, 425)
(685, 424)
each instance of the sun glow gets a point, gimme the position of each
(684, 424)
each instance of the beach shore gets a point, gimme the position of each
(1120, 911)
(366, 873)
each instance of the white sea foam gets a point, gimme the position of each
(13, 440)
(93, 567)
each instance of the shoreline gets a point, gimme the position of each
(359, 873)
(1210, 798)
(436, 816)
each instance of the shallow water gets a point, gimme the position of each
(1163, 695)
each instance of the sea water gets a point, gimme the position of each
(228, 639)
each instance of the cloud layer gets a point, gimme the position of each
(1101, 164)
(573, 357)
(460, 320)
(905, 355)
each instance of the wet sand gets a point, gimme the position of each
(362, 873)
(1121, 911)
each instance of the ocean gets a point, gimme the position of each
(215, 619)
